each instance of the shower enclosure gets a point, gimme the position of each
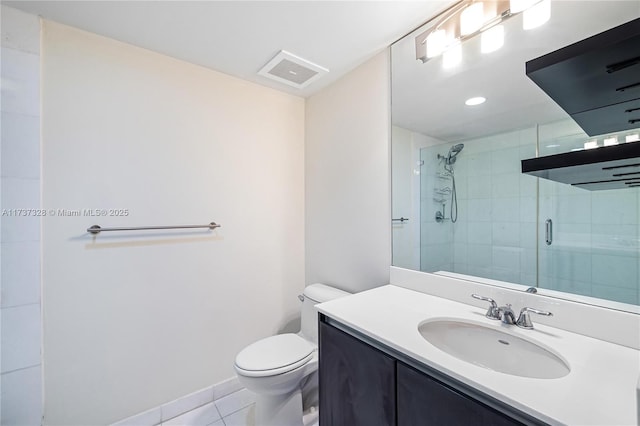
(483, 217)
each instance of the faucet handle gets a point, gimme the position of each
(525, 322)
(492, 312)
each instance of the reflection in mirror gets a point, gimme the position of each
(456, 171)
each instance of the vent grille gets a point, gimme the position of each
(292, 70)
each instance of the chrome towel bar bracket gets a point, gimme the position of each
(96, 229)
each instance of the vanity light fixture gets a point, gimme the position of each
(536, 15)
(469, 18)
(632, 138)
(492, 39)
(517, 6)
(475, 101)
(611, 141)
(472, 18)
(452, 56)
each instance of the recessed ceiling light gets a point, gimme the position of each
(475, 101)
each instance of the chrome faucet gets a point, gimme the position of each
(525, 322)
(492, 312)
(506, 314)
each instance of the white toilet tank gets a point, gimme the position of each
(314, 294)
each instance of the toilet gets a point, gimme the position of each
(279, 369)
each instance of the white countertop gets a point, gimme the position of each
(599, 390)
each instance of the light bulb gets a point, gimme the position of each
(516, 6)
(632, 138)
(611, 141)
(452, 56)
(436, 43)
(472, 18)
(492, 39)
(536, 15)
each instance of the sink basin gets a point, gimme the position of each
(493, 349)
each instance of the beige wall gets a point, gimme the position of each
(347, 173)
(132, 320)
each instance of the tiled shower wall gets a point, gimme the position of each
(596, 239)
(494, 236)
(20, 350)
(595, 250)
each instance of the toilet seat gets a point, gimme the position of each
(274, 355)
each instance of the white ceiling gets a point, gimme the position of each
(239, 37)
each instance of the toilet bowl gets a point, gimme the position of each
(278, 369)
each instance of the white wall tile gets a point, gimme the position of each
(226, 387)
(201, 416)
(479, 210)
(619, 240)
(528, 264)
(150, 417)
(20, 194)
(20, 30)
(20, 82)
(506, 234)
(614, 271)
(564, 264)
(614, 207)
(235, 401)
(528, 185)
(244, 417)
(505, 209)
(506, 258)
(506, 185)
(479, 187)
(460, 232)
(22, 397)
(479, 254)
(572, 208)
(187, 403)
(528, 234)
(20, 273)
(625, 295)
(20, 337)
(568, 235)
(479, 164)
(479, 232)
(20, 145)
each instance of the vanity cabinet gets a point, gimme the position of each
(422, 400)
(363, 385)
(357, 382)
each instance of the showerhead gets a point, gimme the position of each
(453, 153)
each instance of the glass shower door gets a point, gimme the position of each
(588, 241)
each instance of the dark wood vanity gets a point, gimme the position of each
(364, 383)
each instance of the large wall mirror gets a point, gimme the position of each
(456, 168)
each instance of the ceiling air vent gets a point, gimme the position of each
(292, 70)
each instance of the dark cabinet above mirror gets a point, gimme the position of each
(609, 167)
(596, 80)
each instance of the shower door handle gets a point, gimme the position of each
(548, 227)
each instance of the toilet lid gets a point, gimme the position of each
(274, 355)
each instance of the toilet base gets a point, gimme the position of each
(279, 410)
